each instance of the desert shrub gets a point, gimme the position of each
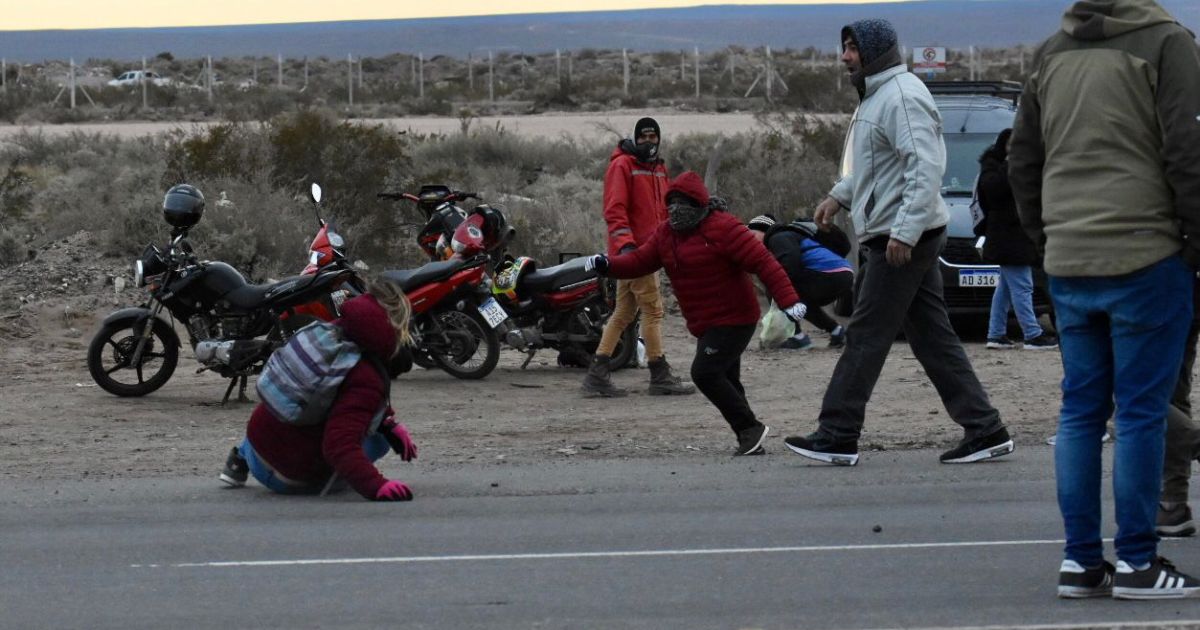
(16, 192)
(226, 150)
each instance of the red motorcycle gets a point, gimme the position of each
(454, 317)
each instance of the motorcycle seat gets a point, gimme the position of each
(556, 277)
(252, 296)
(409, 279)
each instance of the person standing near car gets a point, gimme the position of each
(1105, 169)
(817, 273)
(707, 253)
(1006, 244)
(891, 183)
(634, 191)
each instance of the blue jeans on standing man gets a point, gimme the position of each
(1122, 340)
(1016, 289)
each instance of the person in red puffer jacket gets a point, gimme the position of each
(296, 459)
(707, 253)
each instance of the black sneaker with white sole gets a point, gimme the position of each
(1078, 582)
(236, 469)
(1175, 522)
(821, 448)
(750, 441)
(987, 447)
(1160, 580)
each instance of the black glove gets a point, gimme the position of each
(599, 263)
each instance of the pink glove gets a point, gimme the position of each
(401, 442)
(393, 491)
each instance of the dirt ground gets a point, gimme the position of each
(55, 423)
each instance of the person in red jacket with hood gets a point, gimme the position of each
(634, 189)
(296, 459)
(707, 253)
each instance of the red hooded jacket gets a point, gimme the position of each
(708, 266)
(634, 194)
(309, 454)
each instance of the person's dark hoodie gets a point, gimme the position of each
(1105, 158)
(878, 49)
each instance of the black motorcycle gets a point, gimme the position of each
(233, 326)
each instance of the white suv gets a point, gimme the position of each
(134, 77)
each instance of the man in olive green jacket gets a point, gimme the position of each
(1105, 168)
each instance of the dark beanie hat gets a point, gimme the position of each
(691, 186)
(646, 123)
(873, 38)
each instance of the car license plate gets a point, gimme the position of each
(492, 312)
(978, 278)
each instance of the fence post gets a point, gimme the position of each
(360, 74)
(412, 67)
(625, 62)
(972, 62)
(682, 66)
(71, 83)
(696, 57)
(491, 78)
(837, 52)
(210, 79)
(4, 76)
(570, 66)
(421, 75)
(145, 98)
(558, 67)
(1022, 64)
(305, 86)
(770, 71)
(471, 73)
(279, 62)
(350, 78)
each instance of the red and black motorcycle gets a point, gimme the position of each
(561, 307)
(455, 319)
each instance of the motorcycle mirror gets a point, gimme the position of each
(316, 192)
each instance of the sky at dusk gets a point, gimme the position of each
(74, 14)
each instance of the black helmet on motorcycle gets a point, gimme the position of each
(183, 206)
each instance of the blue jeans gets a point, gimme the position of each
(1015, 289)
(1122, 341)
(375, 446)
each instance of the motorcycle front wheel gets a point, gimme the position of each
(110, 357)
(467, 348)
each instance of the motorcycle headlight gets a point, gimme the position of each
(139, 273)
(336, 240)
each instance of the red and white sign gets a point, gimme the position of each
(930, 59)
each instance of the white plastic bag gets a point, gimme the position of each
(776, 328)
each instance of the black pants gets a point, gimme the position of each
(890, 299)
(717, 369)
(1183, 438)
(816, 289)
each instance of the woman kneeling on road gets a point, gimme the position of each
(292, 458)
(707, 253)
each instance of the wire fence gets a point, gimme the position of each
(406, 84)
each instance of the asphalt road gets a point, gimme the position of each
(768, 542)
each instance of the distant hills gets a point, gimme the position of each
(953, 23)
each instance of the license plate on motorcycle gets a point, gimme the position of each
(978, 278)
(492, 312)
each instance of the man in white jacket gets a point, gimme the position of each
(891, 181)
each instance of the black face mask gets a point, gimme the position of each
(645, 152)
(685, 217)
